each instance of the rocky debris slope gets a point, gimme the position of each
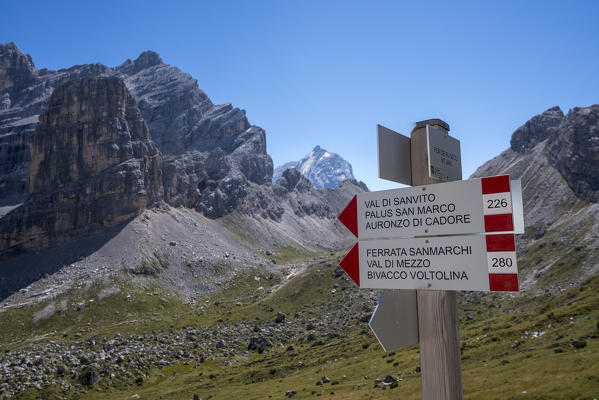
(182, 250)
(556, 158)
(292, 213)
(322, 168)
(177, 248)
(87, 360)
(92, 164)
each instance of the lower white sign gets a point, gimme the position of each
(472, 262)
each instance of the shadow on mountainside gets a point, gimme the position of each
(20, 270)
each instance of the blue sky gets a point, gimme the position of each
(326, 72)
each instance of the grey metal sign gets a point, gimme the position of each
(444, 157)
(395, 163)
(395, 319)
(518, 206)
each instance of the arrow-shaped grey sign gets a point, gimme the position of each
(395, 319)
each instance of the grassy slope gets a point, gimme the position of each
(491, 367)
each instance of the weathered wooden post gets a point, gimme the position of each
(440, 360)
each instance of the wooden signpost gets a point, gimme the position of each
(404, 244)
(440, 357)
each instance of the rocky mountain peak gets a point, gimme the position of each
(17, 71)
(571, 145)
(145, 60)
(535, 130)
(574, 151)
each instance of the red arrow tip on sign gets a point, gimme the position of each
(351, 264)
(349, 216)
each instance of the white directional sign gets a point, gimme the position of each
(444, 159)
(461, 207)
(469, 262)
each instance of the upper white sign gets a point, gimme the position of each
(461, 207)
(444, 158)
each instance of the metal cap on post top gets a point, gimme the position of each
(433, 121)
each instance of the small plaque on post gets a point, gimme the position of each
(444, 159)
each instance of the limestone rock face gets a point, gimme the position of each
(574, 151)
(558, 163)
(537, 129)
(25, 94)
(212, 154)
(17, 72)
(182, 121)
(91, 126)
(572, 146)
(92, 164)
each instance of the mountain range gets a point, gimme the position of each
(145, 251)
(87, 149)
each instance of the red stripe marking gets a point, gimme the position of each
(351, 264)
(504, 242)
(496, 184)
(499, 223)
(349, 216)
(503, 282)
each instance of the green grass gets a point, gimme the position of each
(354, 361)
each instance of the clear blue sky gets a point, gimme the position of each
(326, 72)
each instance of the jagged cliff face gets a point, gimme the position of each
(92, 165)
(574, 151)
(183, 123)
(17, 72)
(556, 156)
(572, 146)
(324, 169)
(92, 146)
(92, 126)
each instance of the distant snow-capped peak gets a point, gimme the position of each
(323, 168)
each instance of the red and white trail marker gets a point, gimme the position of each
(435, 263)
(462, 207)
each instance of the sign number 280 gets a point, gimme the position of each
(501, 262)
